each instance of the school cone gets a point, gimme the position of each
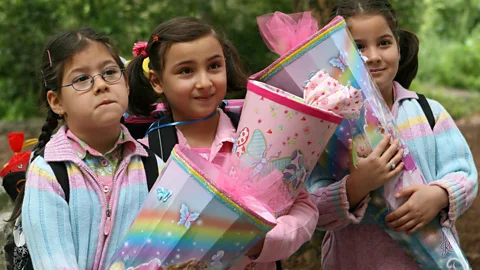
(188, 220)
(332, 50)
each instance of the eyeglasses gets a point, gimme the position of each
(85, 82)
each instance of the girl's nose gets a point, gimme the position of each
(373, 55)
(99, 85)
(203, 81)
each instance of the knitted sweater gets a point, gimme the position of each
(444, 158)
(77, 235)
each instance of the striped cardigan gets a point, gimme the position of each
(72, 236)
(445, 160)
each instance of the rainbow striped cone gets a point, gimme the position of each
(187, 220)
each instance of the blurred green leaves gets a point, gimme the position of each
(449, 33)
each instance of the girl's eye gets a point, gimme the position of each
(81, 78)
(109, 72)
(360, 46)
(185, 71)
(385, 43)
(215, 66)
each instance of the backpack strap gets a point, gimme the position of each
(234, 117)
(151, 167)
(60, 171)
(427, 110)
(162, 141)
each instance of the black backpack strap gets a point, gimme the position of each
(427, 110)
(161, 141)
(234, 118)
(60, 171)
(151, 167)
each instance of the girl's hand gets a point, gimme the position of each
(373, 171)
(424, 204)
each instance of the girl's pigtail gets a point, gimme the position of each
(408, 67)
(236, 74)
(47, 130)
(142, 96)
(17, 207)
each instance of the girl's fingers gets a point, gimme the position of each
(416, 228)
(401, 212)
(398, 157)
(400, 221)
(391, 151)
(398, 169)
(394, 160)
(378, 151)
(407, 226)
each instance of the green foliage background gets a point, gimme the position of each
(449, 33)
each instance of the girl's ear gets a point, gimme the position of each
(55, 102)
(156, 82)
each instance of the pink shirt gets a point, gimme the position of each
(292, 230)
(103, 166)
(203, 152)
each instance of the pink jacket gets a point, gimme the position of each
(292, 230)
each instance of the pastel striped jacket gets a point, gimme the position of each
(445, 160)
(75, 235)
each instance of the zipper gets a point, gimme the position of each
(108, 222)
(108, 213)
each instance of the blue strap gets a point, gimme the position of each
(153, 127)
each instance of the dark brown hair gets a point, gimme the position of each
(182, 29)
(58, 50)
(408, 41)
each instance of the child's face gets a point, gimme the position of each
(376, 41)
(103, 105)
(194, 80)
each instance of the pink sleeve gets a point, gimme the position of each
(334, 208)
(291, 232)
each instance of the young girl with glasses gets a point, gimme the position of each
(85, 87)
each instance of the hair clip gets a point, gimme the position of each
(155, 37)
(44, 80)
(49, 58)
(139, 48)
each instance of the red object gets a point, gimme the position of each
(19, 161)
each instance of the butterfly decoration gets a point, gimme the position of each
(339, 62)
(216, 263)
(257, 158)
(296, 172)
(163, 194)
(239, 147)
(186, 218)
